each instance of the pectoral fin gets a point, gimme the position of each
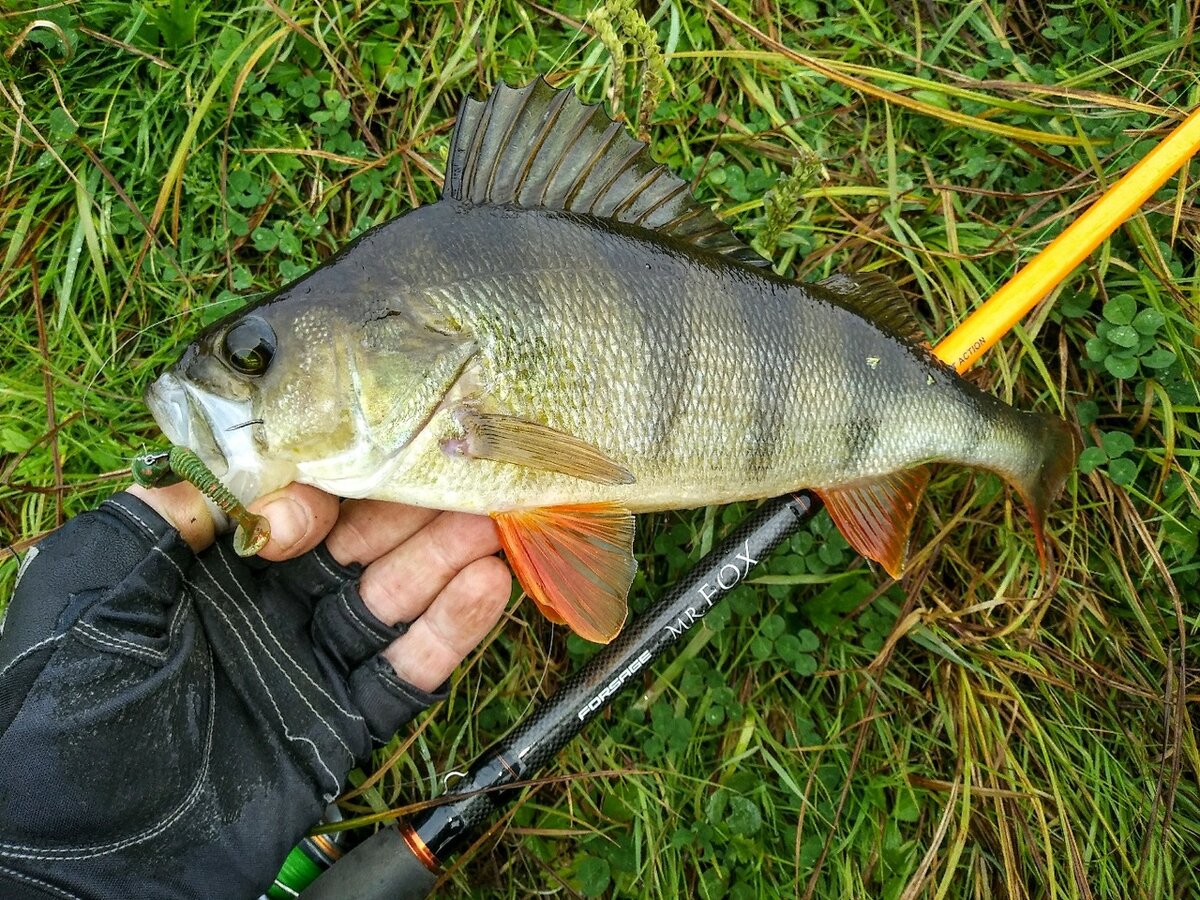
(524, 443)
(576, 562)
(876, 516)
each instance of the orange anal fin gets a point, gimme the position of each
(547, 611)
(576, 562)
(876, 516)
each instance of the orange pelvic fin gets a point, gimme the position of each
(876, 516)
(576, 562)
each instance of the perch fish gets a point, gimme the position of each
(567, 338)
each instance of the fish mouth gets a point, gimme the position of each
(184, 422)
(220, 431)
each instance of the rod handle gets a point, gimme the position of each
(385, 866)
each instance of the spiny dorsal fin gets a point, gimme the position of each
(878, 298)
(540, 147)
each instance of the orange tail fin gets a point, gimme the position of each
(1042, 481)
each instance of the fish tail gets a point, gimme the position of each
(1039, 468)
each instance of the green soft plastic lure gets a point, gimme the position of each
(162, 468)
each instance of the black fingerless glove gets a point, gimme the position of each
(172, 723)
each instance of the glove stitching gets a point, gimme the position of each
(402, 688)
(38, 883)
(90, 634)
(22, 566)
(131, 514)
(240, 608)
(100, 635)
(287, 733)
(29, 651)
(250, 605)
(94, 850)
(375, 633)
(404, 691)
(324, 565)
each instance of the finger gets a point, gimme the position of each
(300, 516)
(184, 508)
(367, 529)
(455, 623)
(400, 586)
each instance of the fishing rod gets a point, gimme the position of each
(404, 861)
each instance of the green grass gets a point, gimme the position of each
(970, 732)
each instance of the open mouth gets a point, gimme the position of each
(185, 421)
(224, 433)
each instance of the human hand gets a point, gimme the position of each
(435, 570)
(176, 717)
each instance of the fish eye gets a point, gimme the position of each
(250, 346)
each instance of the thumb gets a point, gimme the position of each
(300, 516)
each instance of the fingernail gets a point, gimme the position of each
(289, 523)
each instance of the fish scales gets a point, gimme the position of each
(578, 327)
(567, 338)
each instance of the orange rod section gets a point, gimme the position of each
(984, 327)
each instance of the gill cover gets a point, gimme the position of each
(405, 362)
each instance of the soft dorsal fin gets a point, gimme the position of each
(540, 147)
(878, 298)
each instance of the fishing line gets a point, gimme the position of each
(562, 56)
